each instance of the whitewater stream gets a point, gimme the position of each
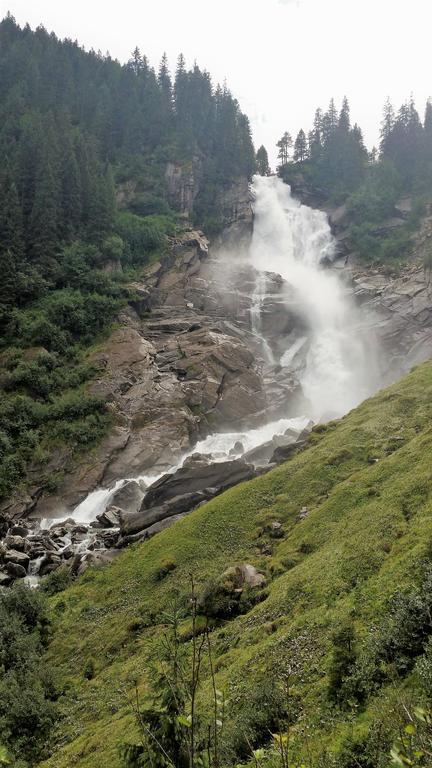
(337, 368)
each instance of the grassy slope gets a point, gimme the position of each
(368, 527)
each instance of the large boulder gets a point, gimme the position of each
(129, 496)
(286, 449)
(234, 591)
(196, 476)
(17, 558)
(133, 522)
(15, 570)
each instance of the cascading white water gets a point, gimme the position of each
(292, 240)
(256, 312)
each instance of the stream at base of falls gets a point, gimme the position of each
(337, 370)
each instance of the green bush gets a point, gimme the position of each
(27, 691)
(342, 662)
(89, 669)
(56, 581)
(143, 235)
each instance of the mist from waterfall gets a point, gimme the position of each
(292, 239)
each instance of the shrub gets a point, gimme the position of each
(342, 662)
(56, 581)
(142, 235)
(166, 567)
(89, 669)
(27, 711)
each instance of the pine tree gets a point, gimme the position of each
(427, 140)
(373, 155)
(300, 147)
(11, 222)
(102, 208)
(164, 80)
(262, 161)
(317, 126)
(387, 125)
(70, 192)
(427, 125)
(11, 244)
(358, 136)
(332, 114)
(135, 63)
(44, 217)
(284, 145)
(344, 115)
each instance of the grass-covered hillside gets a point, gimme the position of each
(333, 653)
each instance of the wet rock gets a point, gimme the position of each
(237, 449)
(67, 552)
(129, 497)
(16, 558)
(260, 455)
(93, 559)
(131, 523)
(110, 518)
(19, 530)
(17, 543)
(77, 529)
(147, 533)
(274, 449)
(286, 449)
(49, 564)
(197, 476)
(16, 570)
(108, 538)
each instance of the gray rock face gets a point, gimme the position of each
(183, 184)
(288, 445)
(15, 557)
(129, 497)
(196, 476)
(131, 523)
(279, 447)
(197, 481)
(398, 312)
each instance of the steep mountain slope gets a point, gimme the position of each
(355, 513)
(99, 163)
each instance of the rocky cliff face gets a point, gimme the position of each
(232, 203)
(183, 185)
(396, 306)
(184, 361)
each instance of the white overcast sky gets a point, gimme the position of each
(281, 58)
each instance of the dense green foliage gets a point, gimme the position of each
(334, 656)
(80, 136)
(333, 156)
(27, 686)
(335, 165)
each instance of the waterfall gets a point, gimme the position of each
(256, 312)
(292, 240)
